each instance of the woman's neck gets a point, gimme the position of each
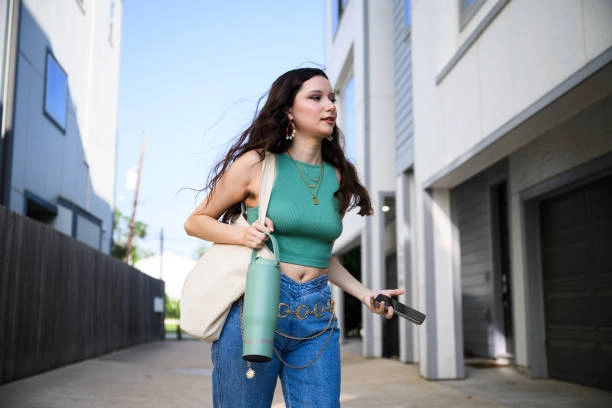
(306, 151)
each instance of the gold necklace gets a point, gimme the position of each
(318, 181)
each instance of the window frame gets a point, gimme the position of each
(407, 14)
(467, 11)
(80, 212)
(350, 141)
(48, 113)
(338, 8)
(37, 208)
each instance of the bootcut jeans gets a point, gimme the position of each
(305, 310)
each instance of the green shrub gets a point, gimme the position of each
(172, 308)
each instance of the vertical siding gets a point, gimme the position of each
(404, 128)
(473, 208)
(473, 219)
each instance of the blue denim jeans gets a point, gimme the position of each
(304, 308)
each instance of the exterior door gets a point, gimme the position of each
(502, 302)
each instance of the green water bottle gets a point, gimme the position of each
(260, 310)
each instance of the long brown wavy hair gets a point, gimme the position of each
(267, 132)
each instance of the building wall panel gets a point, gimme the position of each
(404, 130)
(78, 162)
(524, 53)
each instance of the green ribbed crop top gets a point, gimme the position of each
(305, 232)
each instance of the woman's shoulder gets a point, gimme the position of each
(248, 159)
(242, 168)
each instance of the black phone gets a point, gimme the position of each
(401, 309)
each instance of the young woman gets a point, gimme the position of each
(315, 186)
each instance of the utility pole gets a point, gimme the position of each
(128, 255)
(161, 255)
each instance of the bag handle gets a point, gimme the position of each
(268, 174)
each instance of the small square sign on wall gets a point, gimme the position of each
(158, 304)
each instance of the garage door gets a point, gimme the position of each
(576, 233)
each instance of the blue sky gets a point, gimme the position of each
(191, 74)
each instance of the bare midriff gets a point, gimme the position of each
(301, 273)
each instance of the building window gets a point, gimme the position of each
(89, 230)
(338, 7)
(63, 219)
(407, 16)
(56, 92)
(467, 9)
(83, 225)
(348, 119)
(112, 23)
(38, 208)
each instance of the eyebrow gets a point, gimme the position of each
(318, 91)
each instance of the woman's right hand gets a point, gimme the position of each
(255, 235)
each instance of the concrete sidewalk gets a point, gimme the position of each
(177, 374)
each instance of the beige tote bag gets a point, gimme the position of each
(219, 277)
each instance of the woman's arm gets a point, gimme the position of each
(240, 182)
(339, 276)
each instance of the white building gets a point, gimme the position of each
(169, 267)
(60, 87)
(361, 71)
(496, 146)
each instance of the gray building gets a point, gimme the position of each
(60, 81)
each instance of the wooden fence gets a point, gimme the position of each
(62, 301)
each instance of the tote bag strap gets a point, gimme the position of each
(268, 174)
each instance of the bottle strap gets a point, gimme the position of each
(268, 175)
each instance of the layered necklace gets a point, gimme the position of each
(314, 184)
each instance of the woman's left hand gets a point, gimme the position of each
(368, 300)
